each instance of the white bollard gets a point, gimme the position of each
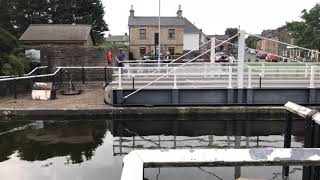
(312, 77)
(230, 77)
(119, 78)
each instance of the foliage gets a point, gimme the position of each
(22, 13)
(251, 42)
(231, 32)
(307, 32)
(12, 59)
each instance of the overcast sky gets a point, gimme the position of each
(213, 16)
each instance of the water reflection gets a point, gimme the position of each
(94, 149)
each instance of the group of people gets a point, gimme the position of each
(121, 56)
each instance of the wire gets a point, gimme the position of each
(126, 129)
(211, 173)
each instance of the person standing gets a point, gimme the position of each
(109, 57)
(121, 56)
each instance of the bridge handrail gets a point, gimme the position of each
(28, 74)
(178, 68)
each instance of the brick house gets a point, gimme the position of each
(58, 34)
(177, 34)
(279, 34)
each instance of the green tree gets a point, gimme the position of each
(22, 13)
(230, 32)
(306, 33)
(12, 59)
(251, 42)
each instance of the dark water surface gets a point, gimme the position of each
(82, 150)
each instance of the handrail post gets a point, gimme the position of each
(82, 75)
(14, 87)
(312, 77)
(230, 77)
(249, 77)
(306, 71)
(175, 79)
(119, 78)
(262, 69)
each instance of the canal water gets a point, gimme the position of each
(82, 150)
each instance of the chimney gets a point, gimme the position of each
(179, 12)
(131, 11)
(126, 34)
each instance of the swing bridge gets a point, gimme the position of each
(209, 83)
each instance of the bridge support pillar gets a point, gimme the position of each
(312, 96)
(240, 96)
(250, 96)
(175, 96)
(230, 96)
(119, 96)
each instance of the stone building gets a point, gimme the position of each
(118, 40)
(177, 34)
(58, 34)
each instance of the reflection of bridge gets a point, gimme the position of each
(210, 83)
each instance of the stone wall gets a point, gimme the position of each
(54, 56)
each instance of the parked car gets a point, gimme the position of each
(272, 58)
(221, 57)
(261, 55)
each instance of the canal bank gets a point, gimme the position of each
(90, 105)
(144, 113)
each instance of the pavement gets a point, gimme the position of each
(92, 98)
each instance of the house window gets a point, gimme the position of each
(143, 33)
(171, 50)
(142, 51)
(172, 33)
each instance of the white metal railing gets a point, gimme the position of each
(211, 73)
(28, 74)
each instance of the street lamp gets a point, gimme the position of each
(159, 33)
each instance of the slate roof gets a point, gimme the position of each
(165, 21)
(57, 32)
(118, 38)
(153, 21)
(189, 27)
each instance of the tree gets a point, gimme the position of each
(251, 42)
(12, 59)
(22, 13)
(306, 33)
(230, 32)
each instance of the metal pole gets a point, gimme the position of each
(308, 139)
(230, 77)
(312, 77)
(119, 78)
(14, 87)
(260, 81)
(241, 46)
(287, 141)
(175, 79)
(132, 81)
(213, 53)
(105, 75)
(159, 22)
(82, 75)
(249, 77)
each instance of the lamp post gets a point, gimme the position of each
(159, 51)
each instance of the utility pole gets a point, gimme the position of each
(159, 51)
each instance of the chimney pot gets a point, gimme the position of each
(179, 12)
(131, 11)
